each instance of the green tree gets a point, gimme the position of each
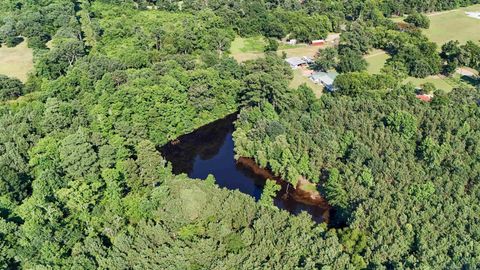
(77, 154)
(272, 45)
(419, 20)
(10, 88)
(403, 123)
(325, 59)
(351, 61)
(269, 193)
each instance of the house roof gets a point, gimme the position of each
(326, 78)
(295, 61)
(307, 59)
(425, 97)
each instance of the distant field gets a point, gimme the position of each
(300, 50)
(244, 49)
(455, 25)
(376, 60)
(299, 79)
(16, 62)
(452, 25)
(439, 82)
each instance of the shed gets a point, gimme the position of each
(318, 42)
(296, 62)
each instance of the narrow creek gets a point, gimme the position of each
(210, 150)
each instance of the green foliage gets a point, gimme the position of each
(325, 59)
(334, 189)
(403, 123)
(272, 45)
(83, 186)
(10, 88)
(382, 158)
(419, 20)
(351, 61)
(357, 83)
(269, 193)
(77, 155)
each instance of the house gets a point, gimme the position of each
(318, 42)
(292, 42)
(325, 78)
(296, 62)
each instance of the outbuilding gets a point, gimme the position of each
(325, 78)
(318, 42)
(296, 62)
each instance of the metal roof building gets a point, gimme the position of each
(295, 62)
(325, 78)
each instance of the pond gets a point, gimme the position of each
(210, 150)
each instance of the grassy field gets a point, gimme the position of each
(300, 50)
(452, 25)
(439, 82)
(455, 25)
(16, 62)
(299, 79)
(376, 60)
(244, 49)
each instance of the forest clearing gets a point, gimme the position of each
(16, 62)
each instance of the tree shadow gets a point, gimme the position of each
(473, 81)
(13, 41)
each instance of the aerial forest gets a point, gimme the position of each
(84, 185)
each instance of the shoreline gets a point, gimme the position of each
(298, 193)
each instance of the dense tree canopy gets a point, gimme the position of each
(83, 185)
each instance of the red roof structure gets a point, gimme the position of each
(425, 97)
(319, 42)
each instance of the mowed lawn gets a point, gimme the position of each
(454, 25)
(299, 78)
(439, 82)
(376, 60)
(243, 49)
(16, 62)
(300, 51)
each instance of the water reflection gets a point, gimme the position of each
(210, 150)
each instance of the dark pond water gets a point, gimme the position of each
(210, 150)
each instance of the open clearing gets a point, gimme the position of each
(299, 78)
(251, 48)
(244, 49)
(452, 25)
(376, 60)
(439, 82)
(455, 25)
(16, 62)
(300, 51)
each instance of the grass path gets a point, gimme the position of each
(376, 60)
